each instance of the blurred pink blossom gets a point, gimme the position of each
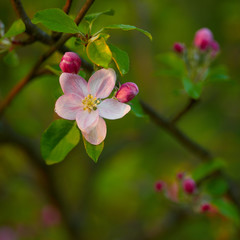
(203, 38)
(50, 215)
(189, 186)
(7, 233)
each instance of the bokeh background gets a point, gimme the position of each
(115, 198)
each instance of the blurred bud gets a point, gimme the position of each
(205, 207)
(215, 48)
(7, 233)
(127, 92)
(203, 38)
(178, 47)
(50, 216)
(189, 185)
(70, 62)
(2, 29)
(180, 175)
(159, 186)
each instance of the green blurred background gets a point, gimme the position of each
(115, 198)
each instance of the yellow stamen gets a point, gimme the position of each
(90, 103)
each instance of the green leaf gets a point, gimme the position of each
(16, 28)
(120, 58)
(137, 108)
(207, 168)
(58, 140)
(216, 186)
(217, 74)
(93, 151)
(194, 90)
(128, 28)
(99, 53)
(56, 20)
(93, 16)
(175, 65)
(11, 59)
(227, 209)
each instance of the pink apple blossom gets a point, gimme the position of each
(203, 38)
(189, 186)
(86, 103)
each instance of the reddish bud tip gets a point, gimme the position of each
(203, 38)
(178, 47)
(180, 175)
(205, 207)
(70, 63)
(159, 185)
(189, 186)
(215, 48)
(127, 92)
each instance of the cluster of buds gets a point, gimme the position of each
(183, 190)
(203, 40)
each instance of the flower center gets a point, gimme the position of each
(90, 103)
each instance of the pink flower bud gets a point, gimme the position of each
(180, 175)
(159, 185)
(203, 38)
(205, 207)
(70, 62)
(189, 185)
(127, 92)
(178, 47)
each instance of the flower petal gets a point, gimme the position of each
(113, 109)
(68, 105)
(73, 84)
(97, 134)
(102, 82)
(86, 121)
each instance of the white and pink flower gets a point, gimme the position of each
(87, 103)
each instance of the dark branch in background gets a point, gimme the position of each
(176, 133)
(192, 102)
(46, 180)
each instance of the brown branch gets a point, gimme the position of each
(67, 6)
(58, 45)
(31, 28)
(192, 102)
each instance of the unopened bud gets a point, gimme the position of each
(70, 63)
(178, 47)
(159, 185)
(127, 92)
(205, 207)
(203, 38)
(180, 175)
(189, 186)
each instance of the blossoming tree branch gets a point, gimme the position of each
(85, 102)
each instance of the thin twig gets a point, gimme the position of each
(67, 6)
(192, 102)
(31, 28)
